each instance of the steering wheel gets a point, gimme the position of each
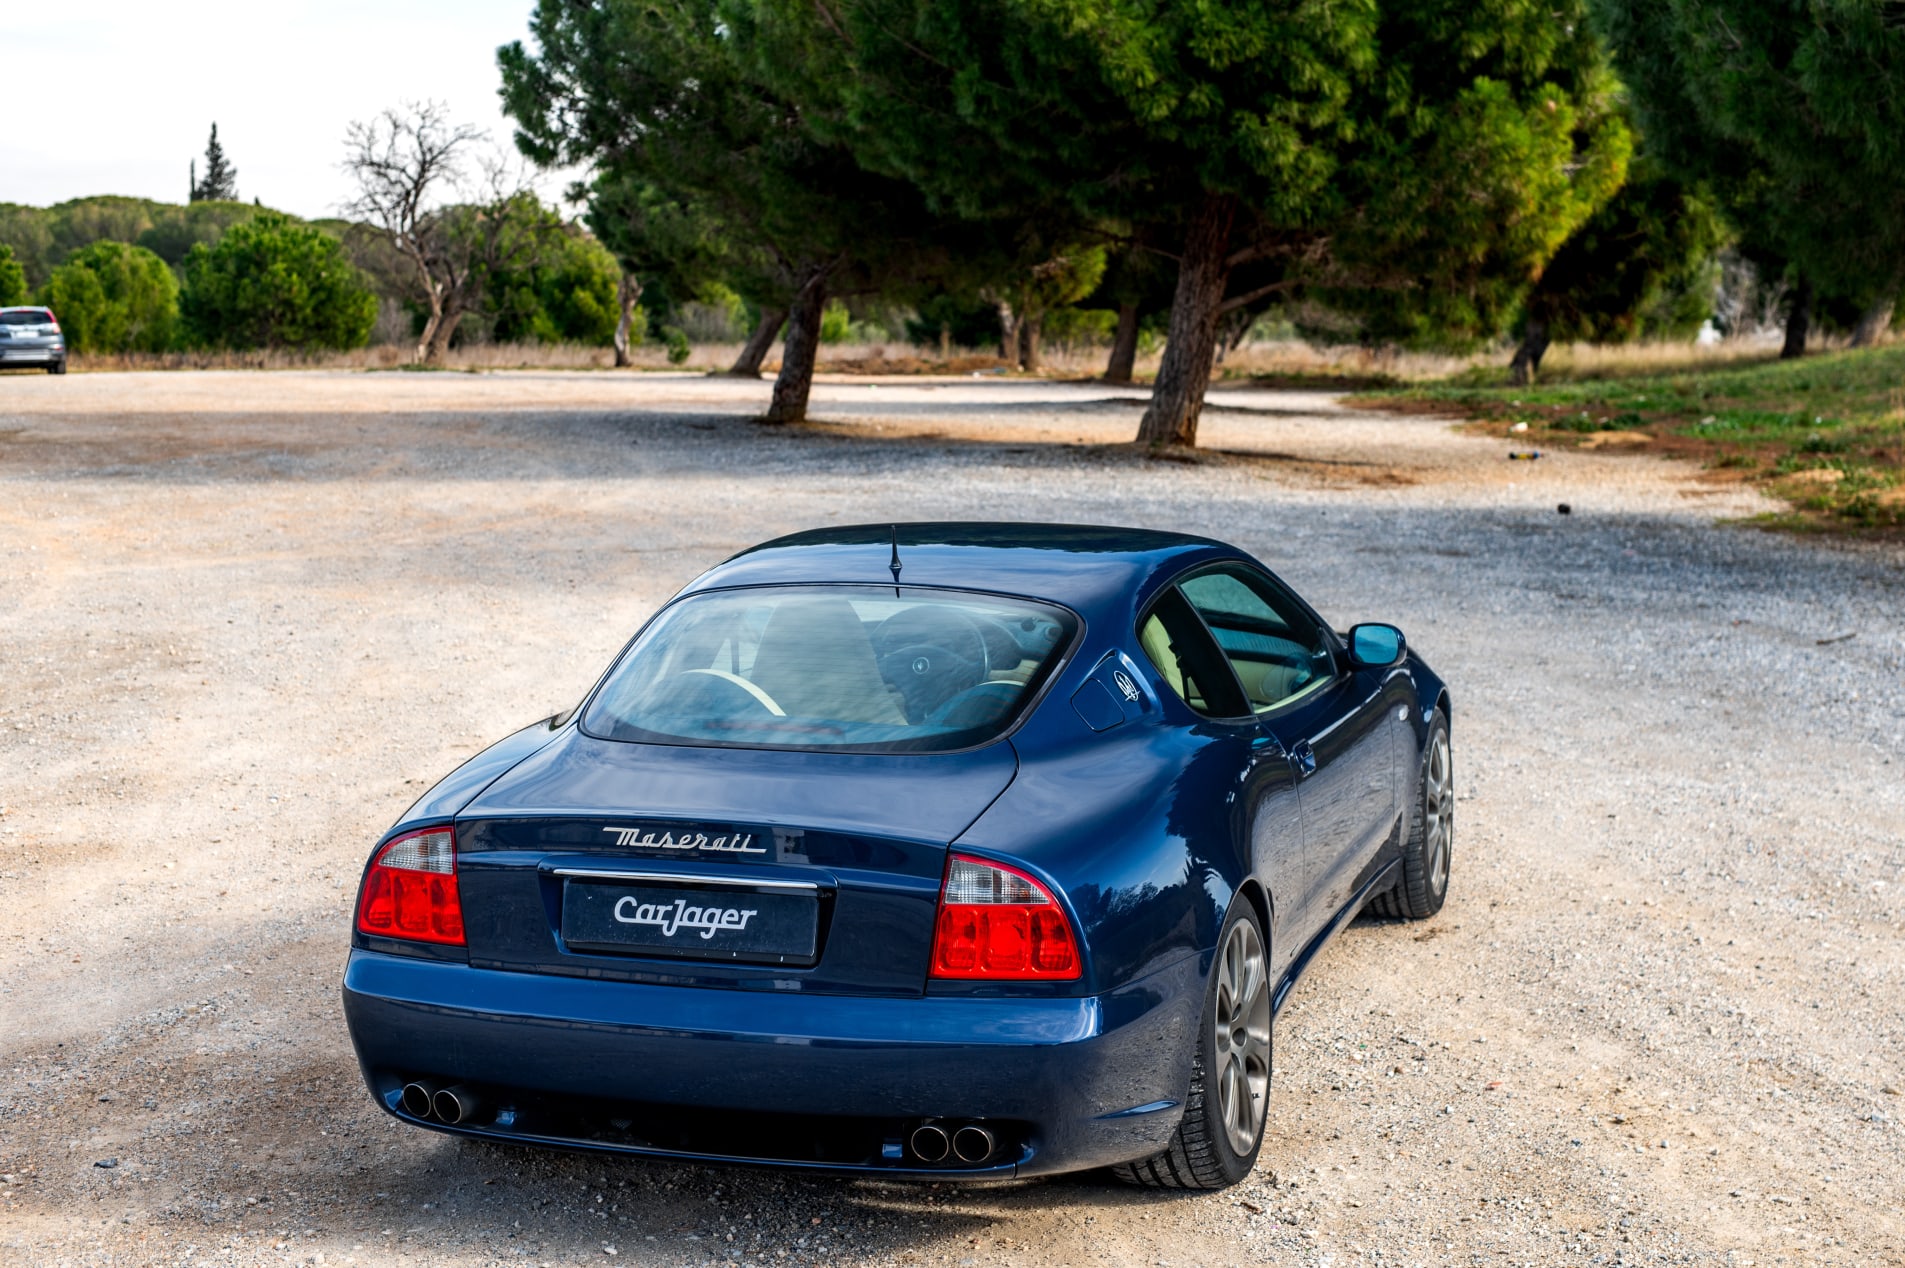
(716, 693)
(929, 654)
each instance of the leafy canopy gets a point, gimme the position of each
(1438, 150)
(1636, 267)
(696, 156)
(111, 297)
(562, 292)
(1793, 113)
(272, 282)
(12, 278)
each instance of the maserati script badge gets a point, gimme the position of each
(738, 843)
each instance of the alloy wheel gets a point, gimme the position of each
(1242, 1055)
(1438, 795)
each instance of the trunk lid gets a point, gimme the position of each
(616, 860)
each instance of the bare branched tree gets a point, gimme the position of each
(404, 162)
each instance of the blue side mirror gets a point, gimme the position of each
(1375, 646)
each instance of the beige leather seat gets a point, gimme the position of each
(815, 660)
(1157, 645)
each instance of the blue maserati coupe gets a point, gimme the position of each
(938, 851)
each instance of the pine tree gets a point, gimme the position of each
(1423, 146)
(221, 178)
(1794, 116)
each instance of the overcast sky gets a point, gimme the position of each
(116, 97)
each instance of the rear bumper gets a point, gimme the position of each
(1068, 1083)
(31, 356)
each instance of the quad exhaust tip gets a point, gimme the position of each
(972, 1143)
(454, 1105)
(930, 1143)
(936, 1142)
(450, 1105)
(418, 1099)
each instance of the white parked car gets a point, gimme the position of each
(31, 336)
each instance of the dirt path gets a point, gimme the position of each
(244, 618)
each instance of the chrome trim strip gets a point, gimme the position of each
(606, 875)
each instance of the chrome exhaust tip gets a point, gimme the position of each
(971, 1143)
(417, 1098)
(930, 1143)
(454, 1104)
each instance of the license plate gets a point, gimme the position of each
(713, 922)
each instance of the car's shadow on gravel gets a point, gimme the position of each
(547, 1205)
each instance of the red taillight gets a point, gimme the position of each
(997, 924)
(410, 891)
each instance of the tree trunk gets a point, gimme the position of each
(1177, 398)
(1798, 321)
(628, 293)
(440, 336)
(1124, 346)
(796, 378)
(1534, 345)
(1231, 330)
(1028, 342)
(748, 364)
(1873, 323)
(434, 293)
(427, 338)
(945, 341)
(1008, 336)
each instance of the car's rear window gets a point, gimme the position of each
(876, 669)
(25, 317)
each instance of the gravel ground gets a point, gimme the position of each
(245, 618)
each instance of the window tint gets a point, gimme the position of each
(1176, 643)
(1277, 650)
(26, 317)
(884, 670)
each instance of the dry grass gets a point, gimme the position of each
(383, 357)
(1825, 432)
(842, 358)
(1565, 363)
(1578, 362)
(1272, 361)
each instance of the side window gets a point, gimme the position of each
(1278, 651)
(1178, 645)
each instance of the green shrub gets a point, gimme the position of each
(1080, 327)
(272, 282)
(677, 340)
(835, 322)
(565, 295)
(113, 297)
(12, 278)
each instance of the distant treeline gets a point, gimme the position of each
(135, 275)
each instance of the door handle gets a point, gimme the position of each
(1305, 758)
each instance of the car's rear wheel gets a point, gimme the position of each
(1431, 841)
(57, 367)
(1218, 1138)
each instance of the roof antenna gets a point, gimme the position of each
(895, 564)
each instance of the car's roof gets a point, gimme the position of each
(1076, 564)
(24, 308)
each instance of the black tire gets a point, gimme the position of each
(57, 367)
(1202, 1154)
(1431, 841)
